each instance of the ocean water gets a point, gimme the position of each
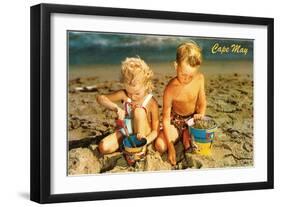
(100, 54)
(93, 48)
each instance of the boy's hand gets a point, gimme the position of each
(172, 154)
(198, 116)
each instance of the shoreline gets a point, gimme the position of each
(112, 71)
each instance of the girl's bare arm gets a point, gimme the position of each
(107, 100)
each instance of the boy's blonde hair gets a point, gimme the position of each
(189, 52)
(136, 71)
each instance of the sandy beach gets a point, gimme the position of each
(229, 91)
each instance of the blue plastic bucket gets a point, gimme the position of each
(133, 145)
(134, 149)
(203, 138)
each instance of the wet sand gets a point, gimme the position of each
(229, 91)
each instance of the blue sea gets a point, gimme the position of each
(94, 48)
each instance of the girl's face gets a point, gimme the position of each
(137, 92)
(185, 72)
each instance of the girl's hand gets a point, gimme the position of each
(120, 113)
(198, 116)
(135, 105)
(139, 136)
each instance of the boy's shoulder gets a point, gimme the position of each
(200, 76)
(172, 82)
(200, 79)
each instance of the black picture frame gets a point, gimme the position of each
(41, 102)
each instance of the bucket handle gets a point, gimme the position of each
(208, 137)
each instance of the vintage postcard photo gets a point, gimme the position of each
(140, 102)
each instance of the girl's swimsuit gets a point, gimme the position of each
(128, 113)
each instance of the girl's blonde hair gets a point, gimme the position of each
(189, 52)
(136, 71)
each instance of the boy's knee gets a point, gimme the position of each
(139, 113)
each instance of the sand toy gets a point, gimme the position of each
(203, 134)
(134, 149)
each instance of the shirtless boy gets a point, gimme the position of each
(184, 98)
